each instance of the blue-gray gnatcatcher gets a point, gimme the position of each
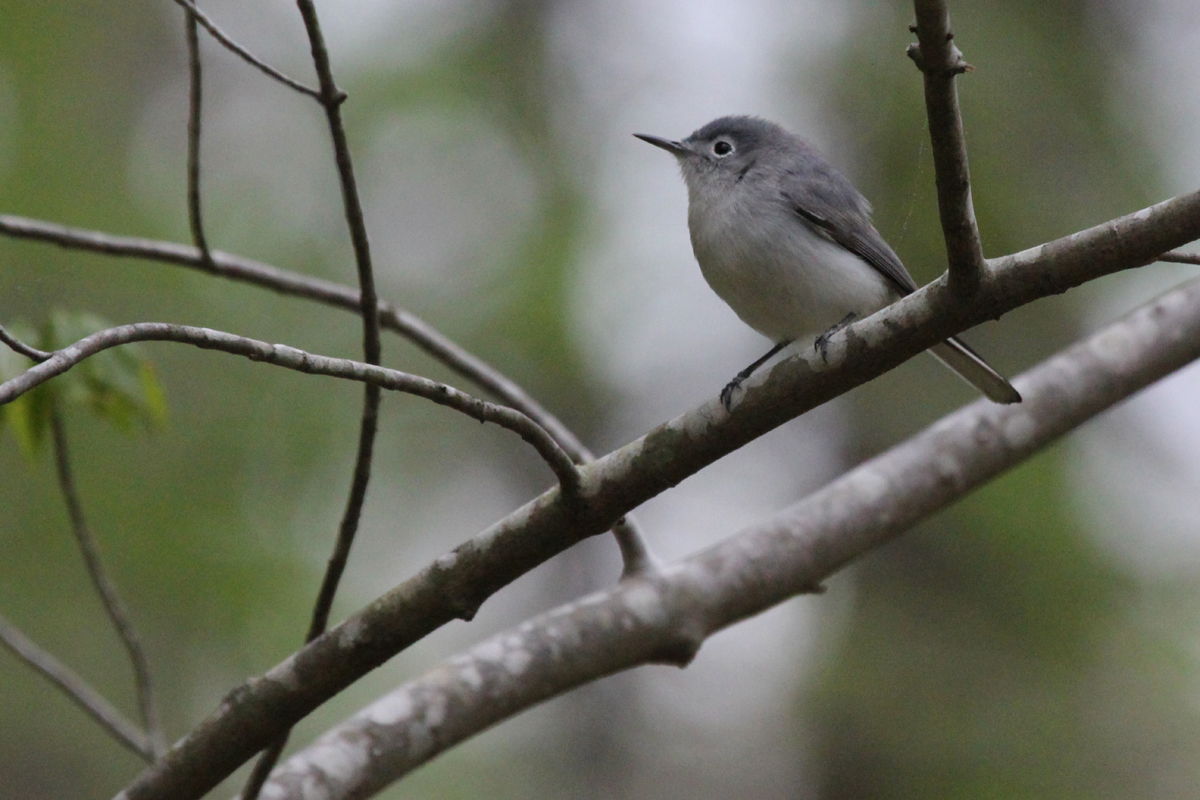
(787, 242)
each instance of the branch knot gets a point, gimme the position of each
(957, 66)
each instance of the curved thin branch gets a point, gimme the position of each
(410, 326)
(195, 101)
(940, 61)
(456, 584)
(243, 53)
(17, 346)
(667, 616)
(76, 688)
(1181, 258)
(331, 99)
(106, 589)
(291, 358)
(293, 284)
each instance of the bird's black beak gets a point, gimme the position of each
(676, 149)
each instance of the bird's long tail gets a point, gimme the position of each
(975, 371)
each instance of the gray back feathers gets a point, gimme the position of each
(817, 193)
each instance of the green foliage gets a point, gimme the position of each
(27, 415)
(118, 385)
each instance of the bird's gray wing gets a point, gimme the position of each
(824, 199)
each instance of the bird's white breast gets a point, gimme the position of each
(778, 274)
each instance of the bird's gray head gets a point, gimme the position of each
(726, 149)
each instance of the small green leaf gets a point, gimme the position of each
(22, 415)
(156, 399)
(119, 385)
(19, 418)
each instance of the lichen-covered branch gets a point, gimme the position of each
(666, 617)
(1181, 258)
(456, 584)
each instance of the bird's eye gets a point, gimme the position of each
(722, 148)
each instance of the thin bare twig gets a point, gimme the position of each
(665, 618)
(636, 558)
(940, 61)
(301, 361)
(243, 53)
(151, 744)
(105, 588)
(266, 276)
(1181, 258)
(195, 97)
(455, 585)
(17, 346)
(264, 767)
(238, 268)
(76, 688)
(331, 99)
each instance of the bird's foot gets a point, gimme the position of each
(727, 393)
(821, 345)
(733, 385)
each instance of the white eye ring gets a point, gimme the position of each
(722, 148)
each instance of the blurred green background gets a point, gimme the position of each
(1036, 640)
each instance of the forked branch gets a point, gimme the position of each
(106, 589)
(243, 53)
(301, 361)
(667, 616)
(456, 584)
(152, 743)
(331, 99)
(940, 62)
(408, 325)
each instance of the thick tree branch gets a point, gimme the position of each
(76, 688)
(940, 61)
(457, 583)
(106, 589)
(243, 53)
(666, 617)
(291, 358)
